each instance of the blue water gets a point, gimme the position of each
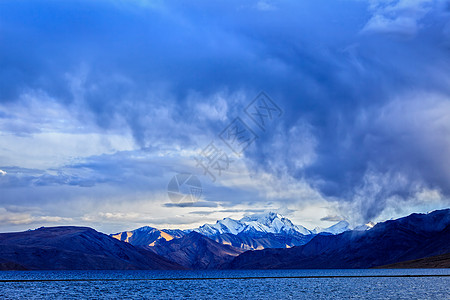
(252, 284)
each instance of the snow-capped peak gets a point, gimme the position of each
(270, 222)
(228, 225)
(265, 218)
(337, 228)
(145, 228)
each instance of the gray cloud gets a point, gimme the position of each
(363, 85)
(227, 211)
(195, 204)
(333, 218)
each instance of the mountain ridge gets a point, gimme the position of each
(414, 240)
(196, 251)
(412, 237)
(74, 248)
(257, 231)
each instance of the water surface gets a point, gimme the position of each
(257, 284)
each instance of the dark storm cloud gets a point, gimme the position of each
(332, 218)
(195, 204)
(227, 211)
(365, 83)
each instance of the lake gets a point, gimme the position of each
(253, 284)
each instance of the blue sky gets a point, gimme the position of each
(103, 102)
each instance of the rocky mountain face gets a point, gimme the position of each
(258, 223)
(196, 251)
(74, 248)
(148, 236)
(258, 241)
(413, 237)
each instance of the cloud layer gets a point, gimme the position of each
(101, 103)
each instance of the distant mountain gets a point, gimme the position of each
(413, 241)
(148, 236)
(413, 237)
(196, 251)
(74, 248)
(337, 228)
(261, 231)
(258, 223)
(258, 241)
(258, 231)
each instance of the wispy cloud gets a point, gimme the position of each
(397, 16)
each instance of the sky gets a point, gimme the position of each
(319, 110)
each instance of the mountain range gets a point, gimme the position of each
(148, 236)
(196, 251)
(413, 241)
(259, 231)
(408, 238)
(74, 248)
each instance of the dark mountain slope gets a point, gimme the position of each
(74, 248)
(147, 236)
(196, 251)
(437, 261)
(412, 237)
(257, 241)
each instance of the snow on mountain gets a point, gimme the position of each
(272, 223)
(242, 233)
(340, 227)
(258, 223)
(229, 225)
(337, 228)
(365, 226)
